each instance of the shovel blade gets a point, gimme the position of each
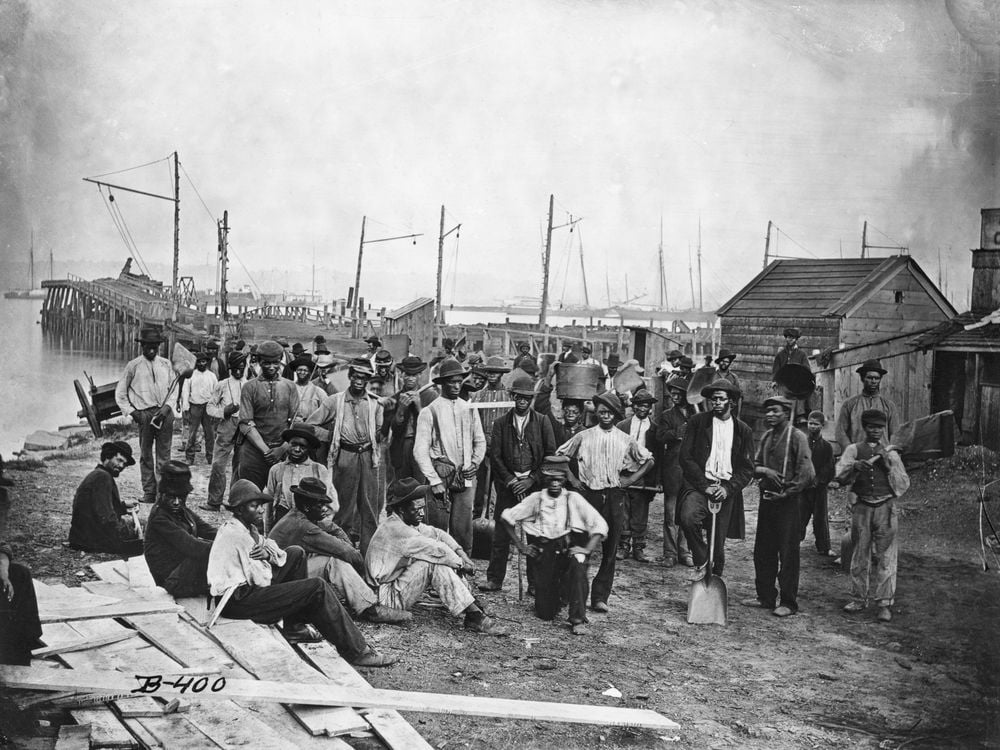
(709, 602)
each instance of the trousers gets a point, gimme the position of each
(411, 584)
(346, 581)
(188, 579)
(223, 457)
(198, 416)
(675, 545)
(560, 576)
(356, 481)
(154, 450)
(610, 503)
(500, 551)
(19, 625)
(696, 522)
(814, 503)
(253, 465)
(776, 553)
(637, 513)
(874, 528)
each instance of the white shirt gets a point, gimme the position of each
(229, 562)
(720, 461)
(198, 389)
(639, 429)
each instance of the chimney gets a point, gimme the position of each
(986, 265)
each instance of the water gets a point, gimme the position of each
(38, 377)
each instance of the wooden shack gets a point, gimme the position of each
(847, 310)
(415, 320)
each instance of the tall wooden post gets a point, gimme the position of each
(224, 266)
(356, 327)
(767, 244)
(438, 315)
(177, 232)
(545, 267)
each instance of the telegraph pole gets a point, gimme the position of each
(547, 257)
(356, 327)
(438, 310)
(177, 232)
(767, 244)
(224, 265)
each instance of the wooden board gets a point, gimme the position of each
(394, 730)
(116, 610)
(73, 737)
(105, 729)
(176, 732)
(81, 645)
(140, 732)
(113, 683)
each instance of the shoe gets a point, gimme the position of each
(669, 562)
(639, 554)
(372, 658)
(756, 603)
(697, 574)
(884, 614)
(783, 611)
(599, 606)
(688, 561)
(210, 507)
(302, 633)
(832, 555)
(531, 589)
(854, 606)
(483, 624)
(388, 615)
(490, 586)
(579, 628)
(624, 548)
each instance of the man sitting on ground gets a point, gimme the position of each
(265, 583)
(329, 552)
(101, 520)
(406, 556)
(177, 540)
(18, 611)
(562, 530)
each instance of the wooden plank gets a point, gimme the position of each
(113, 683)
(105, 729)
(112, 570)
(141, 707)
(117, 610)
(175, 732)
(394, 730)
(73, 737)
(142, 734)
(52, 598)
(82, 645)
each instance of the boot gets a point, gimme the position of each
(639, 550)
(624, 548)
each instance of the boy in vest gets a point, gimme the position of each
(877, 477)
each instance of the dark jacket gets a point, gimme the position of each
(98, 523)
(784, 357)
(695, 450)
(822, 458)
(654, 444)
(295, 528)
(171, 539)
(508, 450)
(673, 425)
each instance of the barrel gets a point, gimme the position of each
(577, 381)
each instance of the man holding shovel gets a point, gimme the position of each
(784, 465)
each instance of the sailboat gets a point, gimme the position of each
(30, 292)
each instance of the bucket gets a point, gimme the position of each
(577, 381)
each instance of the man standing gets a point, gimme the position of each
(789, 354)
(267, 405)
(383, 368)
(611, 366)
(562, 530)
(586, 358)
(785, 466)
(310, 394)
(351, 423)
(404, 418)
(523, 354)
(196, 393)
(266, 583)
(374, 343)
(494, 369)
(406, 557)
(224, 407)
(877, 477)
(449, 447)
(566, 352)
(177, 541)
(814, 501)
(669, 365)
(324, 371)
(645, 430)
(101, 521)
(610, 461)
(716, 459)
(849, 427)
(300, 439)
(723, 364)
(521, 440)
(142, 394)
(673, 426)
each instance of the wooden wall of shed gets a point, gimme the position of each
(881, 316)
(907, 382)
(757, 340)
(419, 326)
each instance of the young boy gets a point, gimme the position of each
(813, 499)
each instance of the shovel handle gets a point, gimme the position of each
(713, 508)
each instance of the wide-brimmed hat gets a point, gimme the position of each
(686, 362)
(496, 364)
(874, 417)
(383, 357)
(120, 447)
(319, 338)
(722, 385)
(325, 360)
(793, 332)
(613, 360)
(781, 401)
(555, 466)
(725, 354)
(677, 383)
(212, 344)
(642, 396)
(202, 356)
(297, 349)
(360, 365)
(412, 365)
(244, 491)
(282, 342)
(302, 361)
(150, 335)
(403, 490)
(586, 347)
(522, 386)
(270, 350)
(302, 430)
(311, 488)
(675, 354)
(374, 340)
(449, 368)
(175, 478)
(610, 399)
(871, 365)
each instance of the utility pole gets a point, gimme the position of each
(438, 310)
(357, 310)
(767, 244)
(177, 232)
(864, 239)
(663, 275)
(547, 257)
(224, 265)
(701, 299)
(583, 271)
(865, 247)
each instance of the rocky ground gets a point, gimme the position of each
(823, 678)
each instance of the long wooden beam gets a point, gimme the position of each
(102, 613)
(114, 683)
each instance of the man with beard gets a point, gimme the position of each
(101, 521)
(673, 426)
(351, 422)
(310, 394)
(267, 406)
(224, 407)
(404, 418)
(142, 394)
(785, 466)
(300, 439)
(645, 430)
(716, 459)
(196, 394)
(177, 540)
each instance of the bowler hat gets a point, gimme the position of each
(677, 383)
(586, 347)
(793, 332)
(610, 399)
(496, 364)
(722, 385)
(522, 386)
(302, 361)
(244, 491)
(449, 368)
(642, 396)
(270, 350)
(175, 478)
(360, 365)
(871, 365)
(311, 488)
(781, 401)
(120, 447)
(725, 354)
(297, 349)
(383, 357)
(613, 360)
(874, 417)
(555, 466)
(150, 335)
(302, 430)
(403, 491)
(412, 365)
(675, 354)
(529, 366)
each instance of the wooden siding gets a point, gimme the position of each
(907, 383)
(757, 340)
(418, 324)
(881, 316)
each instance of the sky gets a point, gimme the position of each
(301, 117)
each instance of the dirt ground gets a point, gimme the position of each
(823, 678)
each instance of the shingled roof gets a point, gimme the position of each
(830, 287)
(952, 335)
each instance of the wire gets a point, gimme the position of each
(898, 244)
(130, 169)
(117, 218)
(208, 211)
(135, 247)
(794, 242)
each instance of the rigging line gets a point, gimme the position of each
(454, 272)
(245, 270)
(116, 220)
(135, 247)
(129, 169)
(794, 242)
(191, 183)
(892, 239)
